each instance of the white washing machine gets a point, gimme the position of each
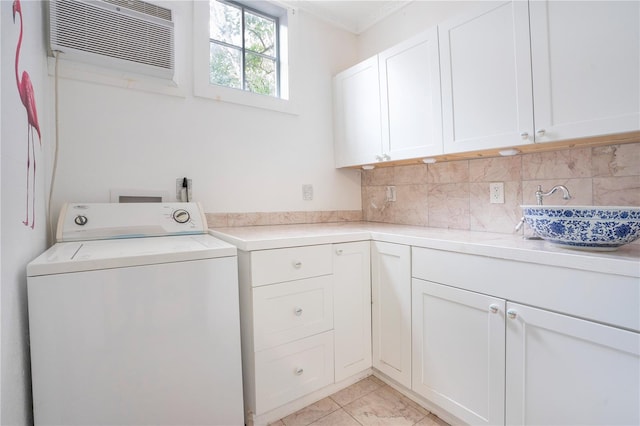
(134, 320)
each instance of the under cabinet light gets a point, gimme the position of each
(509, 152)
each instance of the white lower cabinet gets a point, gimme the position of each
(563, 370)
(306, 322)
(458, 351)
(286, 317)
(458, 329)
(487, 360)
(352, 308)
(391, 310)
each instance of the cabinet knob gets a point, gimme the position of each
(298, 371)
(297, 264)
(297, 311)
(494, 308)
(339, 252)
(524, 135)
(540, 132)
(512, 313)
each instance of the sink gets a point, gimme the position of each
(600, 228)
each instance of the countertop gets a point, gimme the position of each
(624, 261)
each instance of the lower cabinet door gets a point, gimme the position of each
(458, 351)
(391, 310)
(289, 371)
(352, 308)
(567, 371)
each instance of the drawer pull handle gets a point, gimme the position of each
(339, 252)
(493, 308)
(297, 264)
(512, 313)
(297, 311)
(298, 371)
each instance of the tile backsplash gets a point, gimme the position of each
(222, 220)
(455, 194)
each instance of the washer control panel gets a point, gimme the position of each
(99, 221)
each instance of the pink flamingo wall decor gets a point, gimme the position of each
(25, 89)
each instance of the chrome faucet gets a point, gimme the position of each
(540, 194)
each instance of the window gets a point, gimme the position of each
(244, 48)
(242, 53)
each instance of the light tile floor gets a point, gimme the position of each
(367, 402)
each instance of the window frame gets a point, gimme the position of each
(287, 29)
(243, 48)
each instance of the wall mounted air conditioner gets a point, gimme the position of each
(129, 35)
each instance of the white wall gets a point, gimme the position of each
(0, 221)
(406, 22)
(19, 243)
(241, 159)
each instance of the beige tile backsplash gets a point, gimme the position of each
(222, 220)
(455, 194)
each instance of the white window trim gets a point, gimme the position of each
(202, 87)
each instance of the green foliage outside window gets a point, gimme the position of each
(243, 48)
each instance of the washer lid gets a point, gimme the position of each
(119, 253)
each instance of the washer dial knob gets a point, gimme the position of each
(181, 216)
(80, 220)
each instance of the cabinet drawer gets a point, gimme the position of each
(287, 372)
(288, 264)
(292, 310)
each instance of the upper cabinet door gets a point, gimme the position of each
(410, 98)
(586, 68)
(357, 135)
(486, 78)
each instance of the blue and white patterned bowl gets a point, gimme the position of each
(585, 227)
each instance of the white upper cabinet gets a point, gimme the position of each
(486, 77)
(510, 73)
(389, 107)
(515, 73)
(357, 130)
(410, 98)
(586, 68)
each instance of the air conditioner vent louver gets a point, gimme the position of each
(108, 33)
(143, 7)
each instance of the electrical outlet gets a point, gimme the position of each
(390, 193)
(307, 192)
(184, 195)
(496, 193)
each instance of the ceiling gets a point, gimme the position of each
(354, 16)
